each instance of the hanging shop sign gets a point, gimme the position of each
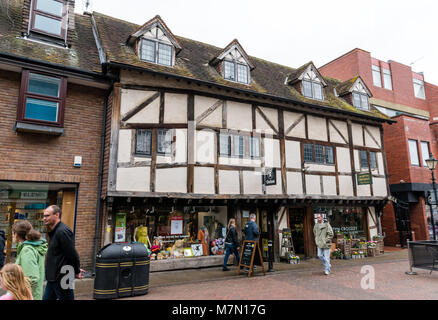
(430, 198)
(270, 177)
(176, 225)
(120, 230)
(364, 178)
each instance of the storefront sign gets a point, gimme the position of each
(33, 195)
(176, 225)
(270, 177)
(120, 230)
(364, 178)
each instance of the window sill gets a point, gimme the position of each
(38, 128)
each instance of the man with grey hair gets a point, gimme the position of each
(323, 233)
(251, 229)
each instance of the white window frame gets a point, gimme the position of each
(420, 83)
(413, 154)
(425, 155)
(387, 79)
(376, 69)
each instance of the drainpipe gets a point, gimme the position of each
(99, 187)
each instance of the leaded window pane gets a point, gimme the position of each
(239, 146)
(164, 54)
(373, 160)
(363, 159)
(329, 156)
(308, 152)
(319, 153)
(255, 147)
(242, 73)
(143, 142)
(224, 145)
(229, 70)
(307, 89)
(356, 100)
(148, 50)
(364, 101)
(317, 89)
(164, 141)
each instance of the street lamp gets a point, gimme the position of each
(431, 164)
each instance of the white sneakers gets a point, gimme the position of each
(326, 272)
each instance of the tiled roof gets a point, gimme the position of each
(344, 87)
(193, 62)
(82, 55)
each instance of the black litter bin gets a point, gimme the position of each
(122, 270)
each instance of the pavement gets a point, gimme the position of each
(305, 280)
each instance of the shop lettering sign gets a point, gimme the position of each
(270, 177)
(33, 195)
(364, 178)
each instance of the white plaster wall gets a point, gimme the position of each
(379, 187)
(252, 182)
(149, 114)
(375, 131)
(239, 116)
(271, 114)
(124, 149)
(345, 186)
(171, 180)
(334, 135)
(329, 184)
(320, 167)
(131, 99)
(294, 183)
(293, 154)
(372, 212)
(244, 162)
(203, 180)
(313, 184)
(272, 153)
(205, 146)
(363, 190)
(181, 145)
(317, 128)
(201, 105)
(380, 163)
(175, 108)
(343, 158)
(133, 179)
(357, 134)
(229, 182)
(300, 129)
(282, 224)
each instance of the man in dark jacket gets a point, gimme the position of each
(2, 248)
(62, 258)
(251, 229)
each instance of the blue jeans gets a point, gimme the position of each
(229, 248)
(324, 256)
(54, 291)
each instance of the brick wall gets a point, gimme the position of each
(38, 157)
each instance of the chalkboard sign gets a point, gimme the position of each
(248, 252)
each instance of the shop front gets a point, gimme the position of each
(27, 201)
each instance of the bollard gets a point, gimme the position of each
(270, 256)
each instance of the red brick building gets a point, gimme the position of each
(402, 94)
(52, 99)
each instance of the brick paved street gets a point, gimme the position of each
(309, 283)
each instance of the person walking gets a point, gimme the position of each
(61, 257)
(12, 280)
(231, 243)
(323, 233)
(31, 254)
(2, 248)
(251, 229)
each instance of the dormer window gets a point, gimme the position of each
(360, 96)
(49, 17)
(156, 52)
(236, 72)
(312, 86)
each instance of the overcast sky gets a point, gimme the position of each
(294, 32)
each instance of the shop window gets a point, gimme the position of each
(28, 200)
(413, 152)
(143, 142)
(349, 221)
(42, 99)
(318, 154)
(49, 17)
(164, 142)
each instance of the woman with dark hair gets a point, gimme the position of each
(31, 253)
(231, 243)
